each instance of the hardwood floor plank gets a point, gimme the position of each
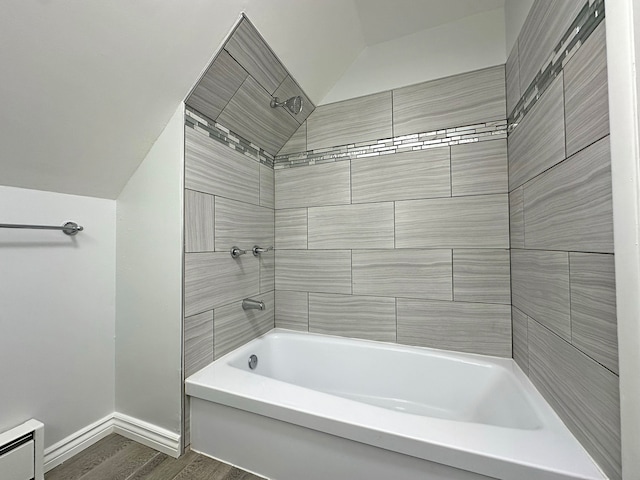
(167, 469)
(123, 464)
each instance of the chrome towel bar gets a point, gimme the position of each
(69, 228)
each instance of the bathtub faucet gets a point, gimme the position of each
(250, 304)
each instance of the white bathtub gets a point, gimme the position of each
(320, 407)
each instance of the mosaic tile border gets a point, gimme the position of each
(225, 136)
(404, 143)
(582, 27)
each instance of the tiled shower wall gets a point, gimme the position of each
(562, 265)
(403, 234)
(228, 202)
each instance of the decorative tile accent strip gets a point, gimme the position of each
(404, 143)
(582, 27)
(225, 136)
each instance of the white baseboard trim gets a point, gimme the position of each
(76, 442)
(143, 432)
(147, 434)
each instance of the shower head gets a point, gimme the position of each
(294, 104)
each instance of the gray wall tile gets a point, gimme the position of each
(350, 121)
(569, 207)
(267, 263)
(317, 185)
(583, 393)
(479, 168)
(403, 273)
(545, 25)
(459, 222)
(465, 327)
(482, 276)
(289, 88)
(351, 226)
(513, 79)
(292, 310)
(234, 326)
(593, 307)
(586, 93)
(291, 228)
(538, 142)
(248, 48)
(198, 342)
(516, 217)
(215, 279)
(520, 331)
(217, 86)
(267, 187)
(324, 271)
(401, 176)
(540, 288)
(465, 99)
(214, 168)
(371, 318)
(243, 225)
(198, 222)
(250, 115)
(297, 143)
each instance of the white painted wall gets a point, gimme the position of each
(623, 56)
(472, 43)
(515, 13)
(149, 284)
(57, 310)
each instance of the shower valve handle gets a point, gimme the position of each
(236, 252)
(257, 251)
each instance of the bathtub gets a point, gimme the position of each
(319, 407)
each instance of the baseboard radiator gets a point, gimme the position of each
(21, 452)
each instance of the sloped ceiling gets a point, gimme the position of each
(87, 86)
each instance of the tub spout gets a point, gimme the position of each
(250, 304)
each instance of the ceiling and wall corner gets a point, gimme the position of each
(515, 13)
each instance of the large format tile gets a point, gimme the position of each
(350, 121)
(324, 271)
(267, 263)
(513, 79)
(215, 279)
(482, 276)
(289, 88)
(367, 225)
(198, 222)
(403, 273)
(464, 99)
(593, 307)
(217, 86)
(243, 225)
(214, 168)
(291, 228)
(540, 288)
(465, 327)
(292, 310)
(460, 222)
(372, 318)
(516, 217)
(235, 326)
(570, 206)
(249, 114)
(402, 176)
(248, 48)
(267, 187)
(479, 168)
(538, 142)
(297, 143)
(547, 22)
(520, 329)
(582, 392)
(317, 185)
(198, 342)
(586, 93)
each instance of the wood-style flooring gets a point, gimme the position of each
(118, 458)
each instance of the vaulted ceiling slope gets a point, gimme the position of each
(87, 86)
